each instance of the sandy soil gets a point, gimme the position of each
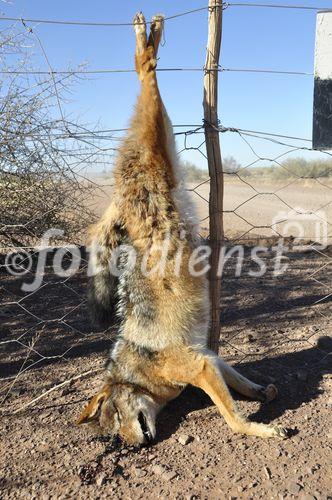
(274, 329)
(252, 206)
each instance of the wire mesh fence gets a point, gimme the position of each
(276, 258)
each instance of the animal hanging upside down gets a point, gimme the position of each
(163, 317)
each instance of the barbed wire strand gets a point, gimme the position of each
(224, 5)
(132, 70)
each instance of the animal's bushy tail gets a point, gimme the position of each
(103, 284)
(102, 296)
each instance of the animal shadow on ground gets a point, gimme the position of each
(297, 376)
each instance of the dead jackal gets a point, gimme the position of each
(163, 316)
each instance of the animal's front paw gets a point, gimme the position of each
(280, 432)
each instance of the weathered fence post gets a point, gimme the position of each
(210, 104)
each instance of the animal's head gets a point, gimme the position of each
(123, 410)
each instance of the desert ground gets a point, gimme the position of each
(253, 207)
(275, 328)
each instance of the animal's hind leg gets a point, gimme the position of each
(156, 31)
(245, 386)
(140, 30)
(145, 60)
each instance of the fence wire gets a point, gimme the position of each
(46, 336)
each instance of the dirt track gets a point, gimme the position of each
(273, 329)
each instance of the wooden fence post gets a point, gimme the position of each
(210, 104)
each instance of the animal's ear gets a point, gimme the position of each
(92, 411)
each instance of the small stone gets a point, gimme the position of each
(101, 479)
(267, 472)
(42, 448)
(158, 469)
(184, 439)
(237, 479)
(46, 415)
(294, 488)
(169, 475)
(251, 337)
(139, 472)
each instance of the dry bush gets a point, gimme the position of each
(42, 154)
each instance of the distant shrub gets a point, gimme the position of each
(290, 168)
(230, 165)
(193, 173)
(300, 167)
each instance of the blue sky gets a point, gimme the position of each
(252, 38)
